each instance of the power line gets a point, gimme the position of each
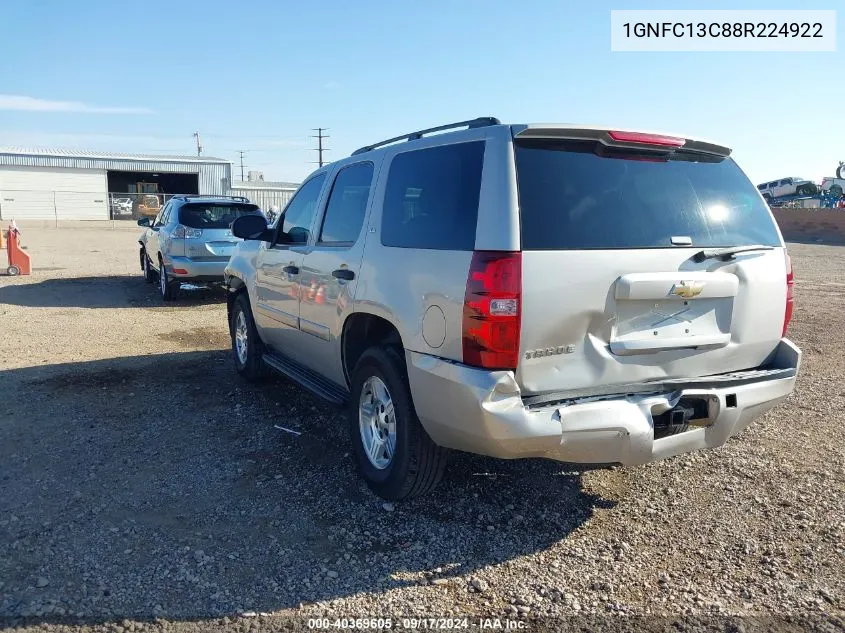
(320, 149)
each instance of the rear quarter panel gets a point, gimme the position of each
(423, 289)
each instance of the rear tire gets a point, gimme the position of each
(168, 289)
(247, 347)
(416, 463)
(13, 271)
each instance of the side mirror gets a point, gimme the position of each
(143, 221)
(251, 227)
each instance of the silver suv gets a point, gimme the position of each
(580, 294)
(190, 240)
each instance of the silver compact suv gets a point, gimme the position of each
(574, 293)
(190, 240)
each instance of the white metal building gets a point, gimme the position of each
(265, 193)
(75, 185)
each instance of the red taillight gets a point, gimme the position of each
(790, 302)
(647, 139)
(492, 310)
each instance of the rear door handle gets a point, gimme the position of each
(343, 273)
(291, 270)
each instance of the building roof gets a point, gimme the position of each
(263, 184)
(72, 153)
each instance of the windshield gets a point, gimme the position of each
(572, 198)
(213, 216)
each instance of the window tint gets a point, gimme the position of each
(432, 197)
(347, 204)
(572, 198)
(159, 219)
(300, 211)
(213, 216)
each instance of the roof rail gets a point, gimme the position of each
(473, 123)
(186, 196)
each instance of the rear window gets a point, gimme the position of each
(572, 198)
(213, 216)
(432, 197)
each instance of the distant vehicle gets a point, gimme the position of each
(121, 206)
(833, 186)
(146, 206)
(190, 240)
(788, 187)
(573, 293)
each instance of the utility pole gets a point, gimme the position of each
(241, 152)
(199, 143)
(320, 149)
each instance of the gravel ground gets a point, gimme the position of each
(145, 487)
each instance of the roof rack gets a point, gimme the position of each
(185, 196)
(473, 123)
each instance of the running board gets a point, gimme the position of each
(307, 378)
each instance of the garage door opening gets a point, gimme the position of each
(142, 194)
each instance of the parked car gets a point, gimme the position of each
(833, 186)
(146, 206)
(121, 206)
(788, 187)
(190, 240)
(573, 293)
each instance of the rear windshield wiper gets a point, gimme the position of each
(726, 254)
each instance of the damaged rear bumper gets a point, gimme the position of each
(482, 411)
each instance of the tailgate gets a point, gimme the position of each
(614, 291)
(613, 318)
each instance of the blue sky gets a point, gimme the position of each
(143, 76)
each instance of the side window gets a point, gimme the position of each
(300, 211)
(166, 214)
(431, 199)
(159, 220)
(347, 204)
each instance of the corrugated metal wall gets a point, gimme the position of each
(264, 197)
(214, 178)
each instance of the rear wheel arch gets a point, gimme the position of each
(361, 331)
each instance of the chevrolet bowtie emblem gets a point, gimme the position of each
(688, 289)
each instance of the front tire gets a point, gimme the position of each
(149, 273)
(394, 454)
(168, 289)
(247, 347)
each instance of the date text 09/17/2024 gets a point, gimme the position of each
(417, 624)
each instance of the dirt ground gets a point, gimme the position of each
(146, 487)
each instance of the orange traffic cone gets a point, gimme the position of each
(321, 295)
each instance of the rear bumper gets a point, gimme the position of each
(480, 411)
(195, 270)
